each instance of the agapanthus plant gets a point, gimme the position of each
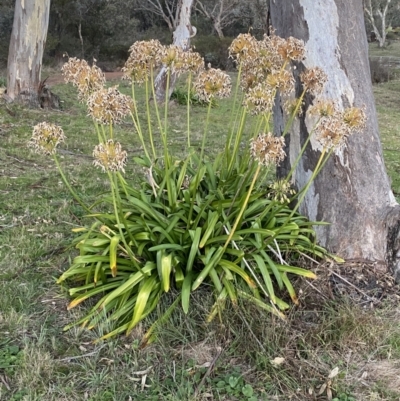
(196, 221)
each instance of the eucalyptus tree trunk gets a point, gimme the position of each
(353, 191)
(182, 34)
(28, 39)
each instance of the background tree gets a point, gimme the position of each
(26, 49)
(168, 10)
(181, 37)
(379, 14)
(6, 21)
(221, 13)
(353, 191)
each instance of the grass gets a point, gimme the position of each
(236, 358)
(391, 50)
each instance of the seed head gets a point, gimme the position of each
(109, 156)
(109, 106)
(144, 56)
(281, 190)
(291, 49)
(243, 47)
(173, 58)
(331, 132)
(291, 105)
(212, 83)
(193, 62)
(87, 79)
(355, 119)
(267, 149)
(314, 80)
(259, 99)
(323, 108)
(46, 137)
(282, 80)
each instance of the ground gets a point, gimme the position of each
(343, 338)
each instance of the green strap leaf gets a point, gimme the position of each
(141, 301)
(194, 248)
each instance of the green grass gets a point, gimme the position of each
(391, 50)
(387, 99)
(226, 360)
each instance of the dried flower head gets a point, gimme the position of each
(193, 61)
(291, 106)
(109, 156)
(109, 106)
(243, 47)
(248, 79)
(355, 119)
(173, 57)
(270, 47)
(314, 80)
(144, 56)
(268, 149)
(281, 190)
(87, 79)
(291, 49)
(323, 108)
(331, 132)
(282, 80)
(212, 83)
(259, 99)
(46, 137)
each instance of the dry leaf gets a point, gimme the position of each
(333, 373)
(322, 389)
(277, 361)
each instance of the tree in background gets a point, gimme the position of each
(353, 191)
(168, 10)
(28, 39)
(221, 13)
(92, 28)
(183, 31)
(379, 14)
(6, 21)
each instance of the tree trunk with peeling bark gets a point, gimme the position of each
(353, 191)
(182, 34)
(28, 39)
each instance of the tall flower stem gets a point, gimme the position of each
(136, 121)
(117, 209)
(203, 143)
(149, 120)
(188, 108)
(299, 156)
(153, 90)
(67, 184)
(233, 112)
(238, 138)
(294, 114)
(243, 208)
(321, 162)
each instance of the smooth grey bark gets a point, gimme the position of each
(353, 191)
(28, 39)
(182, 34)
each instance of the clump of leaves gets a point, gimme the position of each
(9, 357)
(195, 221)
(183, 97)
